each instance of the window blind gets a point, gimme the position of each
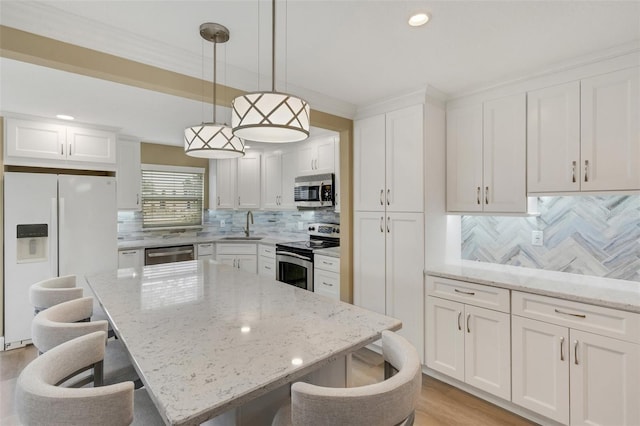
(172, 197)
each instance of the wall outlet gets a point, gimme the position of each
(222, 223)
(537, 238)
(300, 226)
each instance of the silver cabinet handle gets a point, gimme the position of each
(381, 195)
(561, 349)
(61, 149)
(388, 221)
(238, 263)
(69, 149)
(459, 315)
(468, 329)
(478, 195)
(573, 172)
(558, 311)
(137, 199)
(388, 196)
(575, 352)
(267, 267)
(382, 224)
(327, 284)
(218, 200)
(127, 253)
(170, 253)
(327, 263)
(238, 200)
(234, 263)
(586, 170)
(470, 293)
(486, 195)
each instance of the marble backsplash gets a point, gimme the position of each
(285, 224)
(589, 235)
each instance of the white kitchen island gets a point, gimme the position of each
(207, 339)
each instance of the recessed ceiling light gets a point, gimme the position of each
(65, 117)
(418, 19)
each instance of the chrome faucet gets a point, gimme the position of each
(247, 230)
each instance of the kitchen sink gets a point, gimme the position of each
(242, 238)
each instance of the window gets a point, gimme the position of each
(172, 196)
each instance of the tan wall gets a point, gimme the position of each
(152, 153)
(32, 48)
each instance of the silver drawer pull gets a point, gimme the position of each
(569, 313)
(328, 284)
(327, 263)
(470, 293)
(267, 267)
(129, 252)
(169, 253)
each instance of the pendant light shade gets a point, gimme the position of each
(213, 140)
(270, 116)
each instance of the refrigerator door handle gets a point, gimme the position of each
(53, 240)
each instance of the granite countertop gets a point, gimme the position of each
(331, 251)
(608, 292)
(205, 337)
(172, 241)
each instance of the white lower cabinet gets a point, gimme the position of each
(326, 276)
(131, 258)
(564, 370)
(240, 256)
(206, 251)
(467, 334)
(267, 260)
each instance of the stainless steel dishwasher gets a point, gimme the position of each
(154, 256)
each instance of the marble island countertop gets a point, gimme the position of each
(206, 337)
(608, 292)
(330, 251)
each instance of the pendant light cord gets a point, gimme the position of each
(215, 46)
(273, 45)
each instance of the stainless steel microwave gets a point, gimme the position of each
(315, 191)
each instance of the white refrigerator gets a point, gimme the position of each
(54, 225)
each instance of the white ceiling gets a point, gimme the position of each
(337, 54)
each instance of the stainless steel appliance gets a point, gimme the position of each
(154, 256)
(314, 191)
(294, 260)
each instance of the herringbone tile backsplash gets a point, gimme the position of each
(587, 235)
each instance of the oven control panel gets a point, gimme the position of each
(325, 229)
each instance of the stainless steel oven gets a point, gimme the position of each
(294, 260)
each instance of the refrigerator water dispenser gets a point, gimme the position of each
(32, 241)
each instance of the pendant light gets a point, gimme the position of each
(213, 140)
(270, 116)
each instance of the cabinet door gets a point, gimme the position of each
(605, 385)
(227, 259)
(32, 139)
(289, 173)
(553, 138)
(369, 164)
(267, 267)
(444, 342)
(247, 262)
(225, 183)
(326, 283)
(130, 258)
(504, 156)
(405, 275)
(272, 180)
(404, 160)
(610, 131)
(307, 158)
(464, 159)
(325, 161)
(488, 351)
(249, 182)
(369, 261)
(128, 175)
(540, 367)
(90, 145)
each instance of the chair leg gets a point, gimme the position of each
(389, 370)
(98, 374)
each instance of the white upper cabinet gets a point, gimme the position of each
(316, 156)
(388, 161)
(610, 131)
(486, 157)
(585, 135)
(249, 182)
(225, 183)
(553, 139)
(128, 175)
(46, 144)
(280, 169)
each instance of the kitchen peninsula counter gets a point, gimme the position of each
(607, 292)
(206, 338)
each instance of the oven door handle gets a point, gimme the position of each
(288, 253)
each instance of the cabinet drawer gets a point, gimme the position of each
(327, 283)
(267, 251)
(224, 248)
(205, 249)
(581, 316)
(472, 294)
(327, 263)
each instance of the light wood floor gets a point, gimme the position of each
(439, 404)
